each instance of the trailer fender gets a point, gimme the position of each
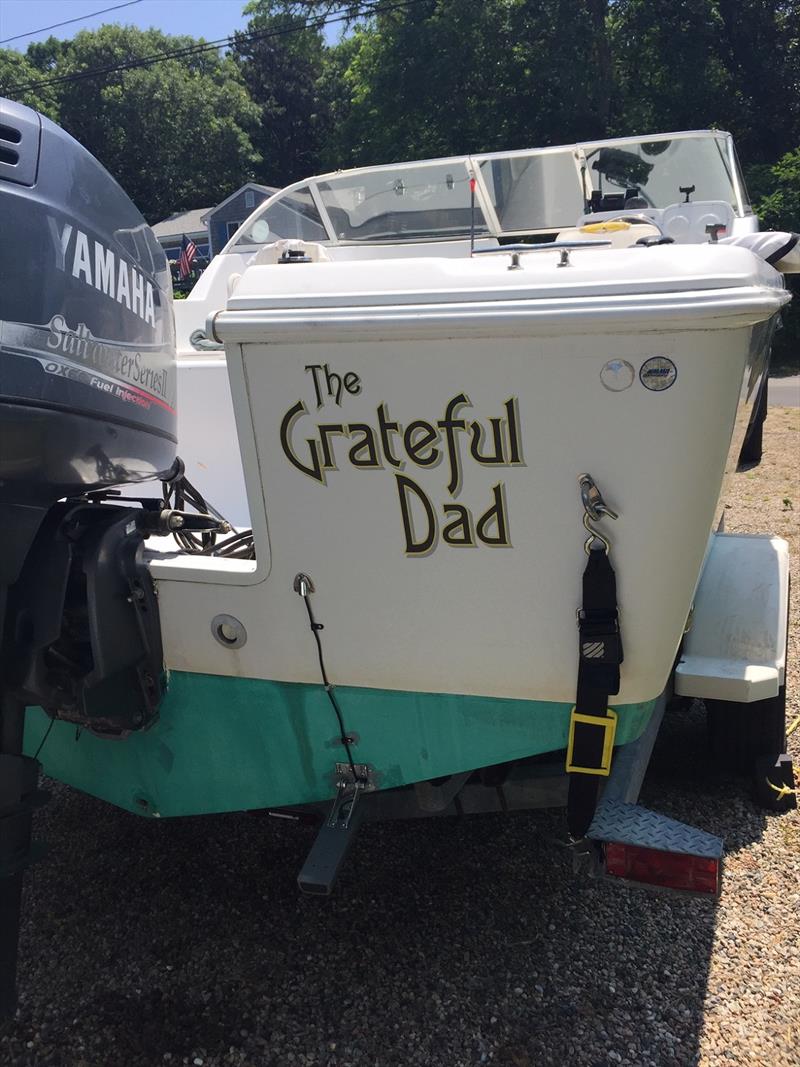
(735, 649)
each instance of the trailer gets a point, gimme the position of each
(470, 546)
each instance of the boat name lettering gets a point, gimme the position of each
(101, 269)
(334, 383)
(385, 444)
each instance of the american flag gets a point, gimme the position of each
(187, 257)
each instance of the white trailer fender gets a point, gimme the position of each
(736, 647)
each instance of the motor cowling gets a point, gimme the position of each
(87, 403)
(87, 338)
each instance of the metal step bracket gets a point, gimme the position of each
(337, 833)
(349, 787)
(632, 824)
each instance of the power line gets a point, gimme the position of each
(68, 22)
(182, 53)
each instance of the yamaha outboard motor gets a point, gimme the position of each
(87, 403)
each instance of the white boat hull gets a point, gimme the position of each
(483, 619)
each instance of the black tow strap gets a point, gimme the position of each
(592, 723)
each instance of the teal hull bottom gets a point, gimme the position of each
(231, 744)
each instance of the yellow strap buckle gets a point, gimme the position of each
(609, 728)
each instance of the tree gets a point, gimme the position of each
(776, 200)
(689, 64)
(762, 53)
(282, 68)
(175, 133)
(669, 66)
(452, 76)
(17, 72)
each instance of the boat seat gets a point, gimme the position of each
(621, 232)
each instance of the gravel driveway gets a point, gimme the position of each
(448, 943)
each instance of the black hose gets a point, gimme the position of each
(179, 493)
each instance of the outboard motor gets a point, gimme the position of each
(87, 403)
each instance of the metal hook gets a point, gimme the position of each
(594, 535)
(592, 499)
(594, 508)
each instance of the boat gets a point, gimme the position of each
(685, 187)
(441, 476)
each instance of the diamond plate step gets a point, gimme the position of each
(631, 824)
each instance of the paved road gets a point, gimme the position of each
(784, 392)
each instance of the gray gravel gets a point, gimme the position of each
(448, 943)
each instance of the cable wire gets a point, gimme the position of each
(179, 492)
(189, 50)
(68, 22)
(343, 735)
(46, 735)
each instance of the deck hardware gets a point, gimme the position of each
(337, 833)
(294, 255)
(302, 584)
(228, 631)
(515, 263)
(562, 247)
(594, 508)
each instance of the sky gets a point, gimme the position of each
(211, 19)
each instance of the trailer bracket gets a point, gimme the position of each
(337, 833)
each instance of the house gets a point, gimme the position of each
(212, 227)
(170, 232)
(224, 220)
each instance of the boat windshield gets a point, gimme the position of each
(294, 215)
(536, 191)
(663, 172)
(402, 203)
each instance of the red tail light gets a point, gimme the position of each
(669, 870)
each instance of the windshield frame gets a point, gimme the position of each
(484, 202)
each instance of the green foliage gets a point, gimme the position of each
(175, 134)
(450, 76)
(775, 192)
(692, 64)
(282, 72)
(16, 72)
(669, 71)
